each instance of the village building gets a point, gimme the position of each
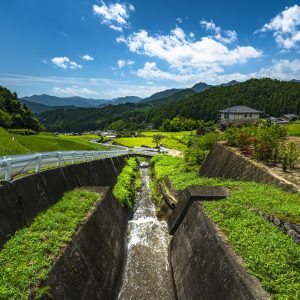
(238, 116)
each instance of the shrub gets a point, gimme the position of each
(199, 147)
(288, 154)
(261, 141)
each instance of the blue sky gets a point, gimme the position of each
(101, 49)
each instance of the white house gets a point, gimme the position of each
(238, 115)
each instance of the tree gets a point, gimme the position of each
(157, 138)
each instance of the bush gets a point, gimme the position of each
(288, 154)
(261, 141)
(199, 147)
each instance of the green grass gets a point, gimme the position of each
(270, 255)
(294, 128)
(11, 144)
(172, 140)
(129, 181)
(27, 257)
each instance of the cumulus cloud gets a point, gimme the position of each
(150, 71)
(179, 51)
(224, 36)
(74, 91)
(87, 57)
(285, 27)
(123, 63)
(114, 15)
(279, 69)
(64, 62)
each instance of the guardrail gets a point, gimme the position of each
(11, 166)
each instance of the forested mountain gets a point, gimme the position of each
(161, 95)
(274, 97)
(39, 108)
(76, 101)
(13, 114)
(200, 87)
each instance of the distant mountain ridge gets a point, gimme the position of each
(49, 100)
(54, 101)
(39, 108)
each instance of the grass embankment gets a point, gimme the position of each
(172, 140)
(128, 183)
(12, 144)
(272, 256)
(27, 257)
(294, 128)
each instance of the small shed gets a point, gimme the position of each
(238, 116)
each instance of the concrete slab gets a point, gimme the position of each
(188, 196)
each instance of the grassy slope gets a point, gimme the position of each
(11, 144)
(294, 128)
(27, 257)
(269, 254)
(129, 181)
(173, 140)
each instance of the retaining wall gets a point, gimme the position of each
(204, 266)
(91, 266)
(224, 162)
(22, 199)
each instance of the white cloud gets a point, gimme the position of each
(279, 69)
(116, 28)
(285, 27)
(114, 15)
(150, 71)
(123, 63)
(179, 51)
(64, 62)
(224, 36)
(87, 57)
(74, 91)
(282, 69)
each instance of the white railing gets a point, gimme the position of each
(11, 166)
(144, 151)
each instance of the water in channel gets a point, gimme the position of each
(147, 273)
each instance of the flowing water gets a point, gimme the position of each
(147, 273)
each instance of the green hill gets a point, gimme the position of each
(14, 114)
(12, 144)
(273, 97)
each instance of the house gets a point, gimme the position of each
(290, 117)
(284, 119)
(238, 116)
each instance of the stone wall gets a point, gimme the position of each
(22, 199)
(204, 266)
(224, 162)
(91, 266)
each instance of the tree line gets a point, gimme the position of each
(13, 114)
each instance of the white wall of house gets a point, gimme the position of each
(239, 116)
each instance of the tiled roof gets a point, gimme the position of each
(240, 109)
